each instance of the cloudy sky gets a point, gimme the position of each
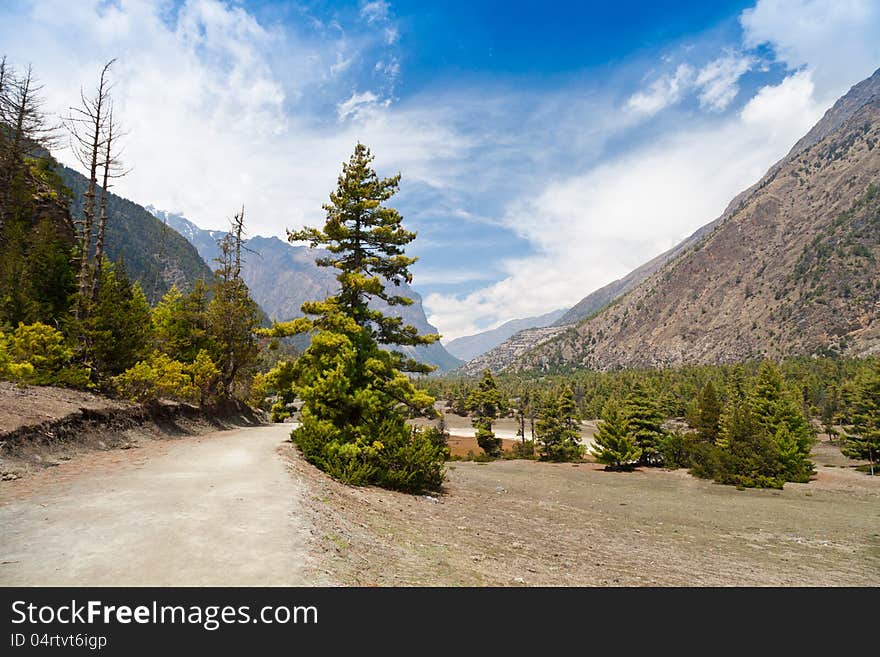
(546, 149)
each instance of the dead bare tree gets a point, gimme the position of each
(112, 169)
(24, 128)
(87, 125)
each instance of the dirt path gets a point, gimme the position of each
(216, 509)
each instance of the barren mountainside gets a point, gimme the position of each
(790, 269)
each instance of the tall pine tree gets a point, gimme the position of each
(645, 424)
(485, 402)
(558, 430)
(864, 440)
(356, 394)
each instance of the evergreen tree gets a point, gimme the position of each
(180, 323)
(708, 413)
(778, 413)
(356, 395)
(558, 430)
(864, 441)
(645, 424)
(748, 456)
(485, 402)
(613, 444)
(116, 332)
(231, 317)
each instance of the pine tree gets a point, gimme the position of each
(232, 316)
(356, 395)
(774, 409)
(117, 331)
(180, 323)
(613, 444)
(747, 455)
(708, 413)
(645, 424)
(558, 430)
(485, 402)
(864, 440)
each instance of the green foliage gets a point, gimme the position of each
(558, 430)
(522, 450)
(158, 377)
(748, 457)
(116, 331)
(613, 444)
(782, 418)
(180, 323)
(355, 394)
(644, 422)
(37, 354)
(231, 319)
(387, 453)
(485, 403)
(205, 378)
(864, 439)
(278, 411)
(708, 413)
(36, 273)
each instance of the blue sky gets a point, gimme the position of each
(546, 148)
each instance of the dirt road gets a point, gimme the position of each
(216, 509)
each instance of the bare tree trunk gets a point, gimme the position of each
(238, 225)
(87, 127)
(110, 161)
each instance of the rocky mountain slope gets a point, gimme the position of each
(791, 268)
(282, 276)
(155, 255)
(471, 346)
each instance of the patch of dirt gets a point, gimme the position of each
(515, 523)
(22, 406)
(47, 426)
(461, 445)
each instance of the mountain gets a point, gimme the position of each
(155, 255)
(471, 346)
(281, 277)
(791, 268)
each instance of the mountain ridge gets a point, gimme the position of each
(469, 347)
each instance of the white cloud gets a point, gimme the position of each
(223, 110)
(216, 105)
(359, 105)
(838, 40)
(374, 12)
(717, 81)
(663, 92)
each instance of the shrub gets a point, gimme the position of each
(155, 378)
(279, 412)
(205, 378)
(37, 354)
(522, 450)
(396, 456)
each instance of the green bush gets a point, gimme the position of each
(522, 450)
(279, 412)
(156, 378)
(396, 456)
(37, 354)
